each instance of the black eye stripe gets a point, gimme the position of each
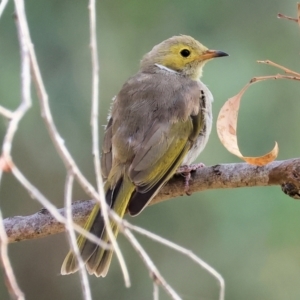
(185, 52)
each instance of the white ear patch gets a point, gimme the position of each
(165, 68)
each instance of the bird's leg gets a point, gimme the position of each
(185, 171)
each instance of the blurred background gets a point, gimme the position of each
(250, 235)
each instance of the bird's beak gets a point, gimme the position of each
(209, 54)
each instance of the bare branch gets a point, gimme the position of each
(42, 223)
(283, 173)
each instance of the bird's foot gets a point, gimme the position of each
(185, 171)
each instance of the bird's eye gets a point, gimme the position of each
(185, 52)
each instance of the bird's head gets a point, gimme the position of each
(182, 54)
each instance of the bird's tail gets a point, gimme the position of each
(97, 259)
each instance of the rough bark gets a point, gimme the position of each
(282, 173)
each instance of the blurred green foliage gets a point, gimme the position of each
(250, 235)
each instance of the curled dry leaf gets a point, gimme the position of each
(226, 128)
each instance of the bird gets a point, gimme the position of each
(160, 120)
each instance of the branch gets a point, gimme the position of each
(284, 173)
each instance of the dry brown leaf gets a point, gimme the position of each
(226, 128)
(227, 119)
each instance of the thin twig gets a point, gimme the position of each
(278, 76)
(297, 20)
(95, 93)
(2, 6)
(10, 279)
(155, 291)
(6, 112)
(72, 238)
(282, 16)
(18, 114)
(286, 70)
(25, 104)
(154, 273)
(95, 139)
(184, 251)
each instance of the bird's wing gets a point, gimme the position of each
(164, 144)
(158, 158)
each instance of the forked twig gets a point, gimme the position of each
(126, 228)
(154, 273)
(297, 20)
(282, 16)
(183, 251)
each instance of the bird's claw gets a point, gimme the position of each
(185, 171)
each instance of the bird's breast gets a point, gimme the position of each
(199, 144)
